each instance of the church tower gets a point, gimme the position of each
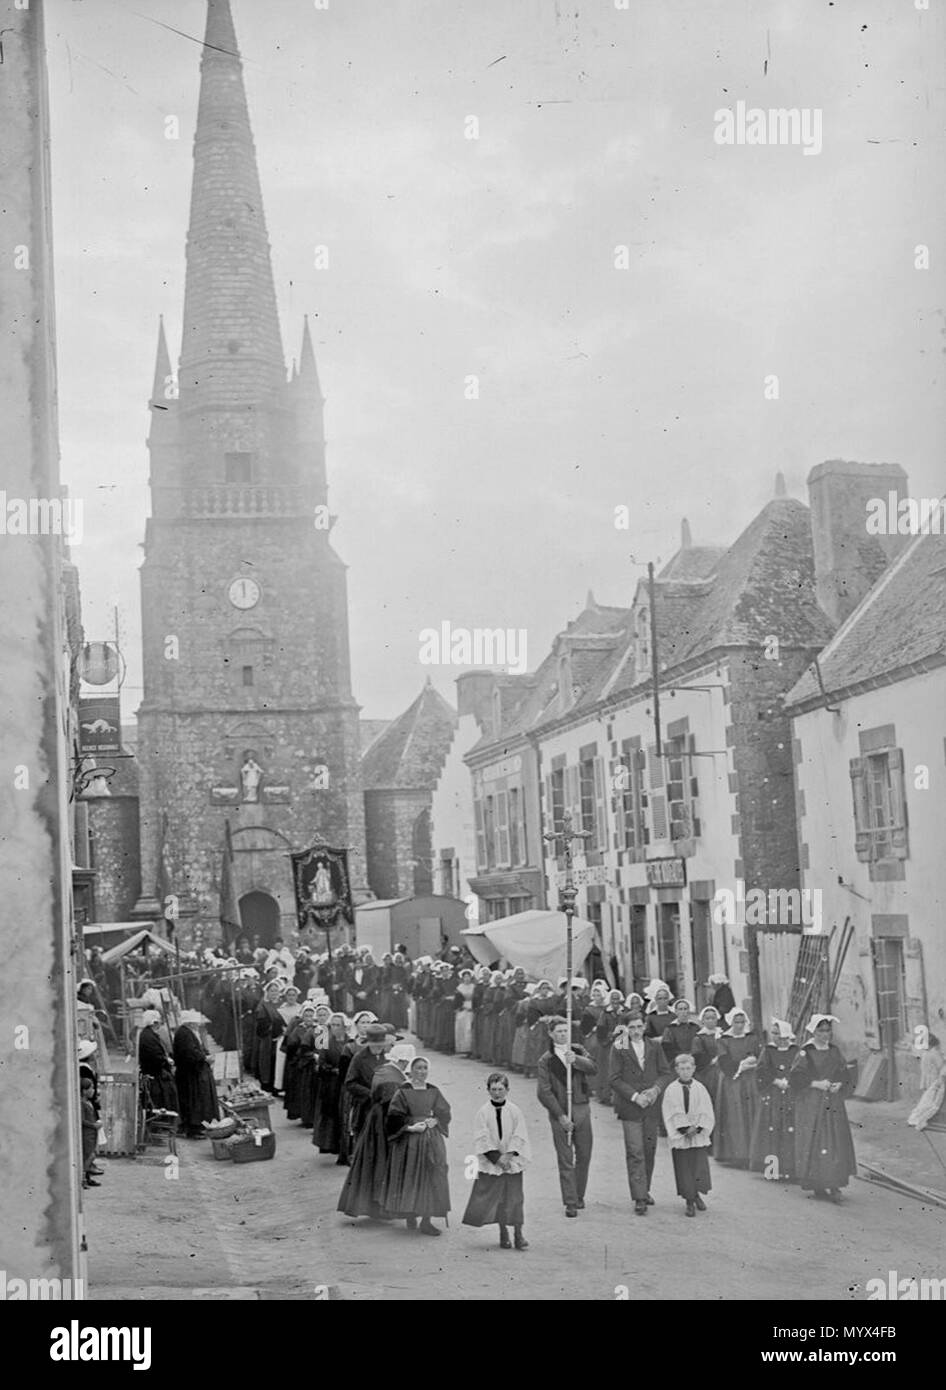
(248, 713)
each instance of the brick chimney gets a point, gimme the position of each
(848, 560)
(475, 696)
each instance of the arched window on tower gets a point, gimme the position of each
(247, 653)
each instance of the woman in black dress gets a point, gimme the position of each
(705, 1050)
(270, 1026)
(824, 1149)
(659, 1015)
(737, 1099)
(678, 1036)
(155, 1065)
(417, 1123)
(772, 1151)
(195, 1079)
(332, 1062)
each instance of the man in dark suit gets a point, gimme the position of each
(572, 1137)
(640, 1073)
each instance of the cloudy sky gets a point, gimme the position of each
(495, 257)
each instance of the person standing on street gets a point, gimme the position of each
(364, 1064)
(639, 1075)
(688, 1117)
(501, 1145)
(572, 1137)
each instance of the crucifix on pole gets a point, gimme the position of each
(567, 894)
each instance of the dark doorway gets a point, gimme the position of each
(668, 941)
(259, 913)
(700, 937)
(640, 974)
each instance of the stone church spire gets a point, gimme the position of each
(232, 354)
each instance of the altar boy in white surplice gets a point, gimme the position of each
(502, 1149)
(689, 1120)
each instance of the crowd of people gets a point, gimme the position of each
(323, 1033)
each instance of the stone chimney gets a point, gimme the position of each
(849, 560)
(475, 696)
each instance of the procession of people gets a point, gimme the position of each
(324, 1034)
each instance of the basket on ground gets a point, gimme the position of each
(245, 1149)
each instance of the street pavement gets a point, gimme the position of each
(270, 1230)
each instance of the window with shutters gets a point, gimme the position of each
(682, 788)
(880, 814)
(502, 830)
(633, 796)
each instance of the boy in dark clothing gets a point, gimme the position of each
(90, 1130)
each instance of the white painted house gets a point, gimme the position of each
(870, 756)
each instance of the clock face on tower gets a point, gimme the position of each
(244, 593)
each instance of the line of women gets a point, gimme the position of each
(399, 1166)
(303, 1054)
(779, 1105)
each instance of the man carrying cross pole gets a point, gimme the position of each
(564, 1070)
(563, 1088)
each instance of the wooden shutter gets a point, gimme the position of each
(601, 817)
(573, 795)
(502, 829)
(658, 815)
(658, 798)
(898, 798)
(862, 836)
(548, 824)
(914, 984)
(480, 834)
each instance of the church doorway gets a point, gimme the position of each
(259, 913)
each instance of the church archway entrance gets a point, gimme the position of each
(259, 913)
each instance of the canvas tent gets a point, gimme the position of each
(534, 941)
(135, 943)
(108, 934)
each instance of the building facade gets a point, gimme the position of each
(669, 838)
(248, 712)
(41, 1222)
(869, 732)
(399, 771)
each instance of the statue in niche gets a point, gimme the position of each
(251, 775)
(321, 892)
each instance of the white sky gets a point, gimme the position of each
(495, 256)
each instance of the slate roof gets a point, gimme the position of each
(764, 584)
(410, 753)
(707, 597)
(591, 639)
(370, 729)
(900, 623)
